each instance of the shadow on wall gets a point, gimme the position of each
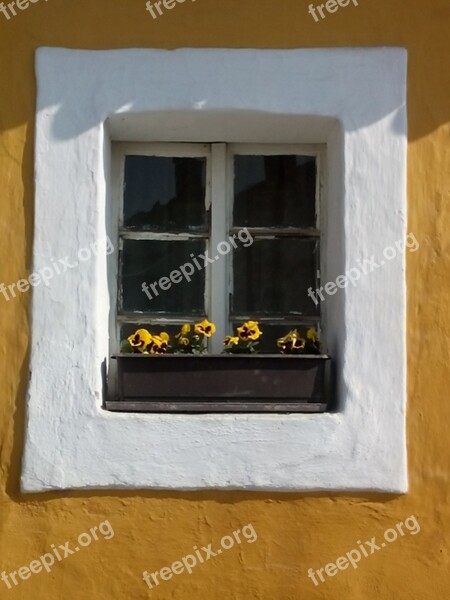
(22, 112)
(74, 112)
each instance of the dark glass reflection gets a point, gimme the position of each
(274, 191)
(273, 276)
(165, 193)
(147, 261)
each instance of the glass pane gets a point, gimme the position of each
(165, 193)
(273, 277)
(274, 191)
(145, 261)
(271, 332)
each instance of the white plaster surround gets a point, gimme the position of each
(351, 99)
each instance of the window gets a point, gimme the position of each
(204, 94)
(228, 233)
(246, 218)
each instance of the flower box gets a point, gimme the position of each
(187, 383)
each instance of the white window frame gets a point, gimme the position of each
(319, 153)
(119, 152)
(351, 99)
(219, 198)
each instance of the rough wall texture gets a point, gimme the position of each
(295, 532)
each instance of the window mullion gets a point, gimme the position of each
(218, 279)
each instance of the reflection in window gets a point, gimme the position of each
(165, 193)
(274, 191)
(273, 277)
(148, 261)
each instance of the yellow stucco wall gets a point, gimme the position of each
(295, 531)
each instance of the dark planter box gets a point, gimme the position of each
(221, 383)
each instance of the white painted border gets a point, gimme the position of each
(353, 100)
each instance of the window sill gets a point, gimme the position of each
(258, 383)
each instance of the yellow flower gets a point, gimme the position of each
(140, 339)
(186, 328)
(291, 341)
(205, 328)
(160, 343)
(183, 341)
(282, 341)
(298, 343)
(313, 343)
(231, 341)
(249, 331)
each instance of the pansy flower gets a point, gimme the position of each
(185, 329)
(249, 331)
(292, 342)
(231, 340)
(205, 328)
(160, 343)
(140, 340)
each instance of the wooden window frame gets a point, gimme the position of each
(219, 198)
(318, 152)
